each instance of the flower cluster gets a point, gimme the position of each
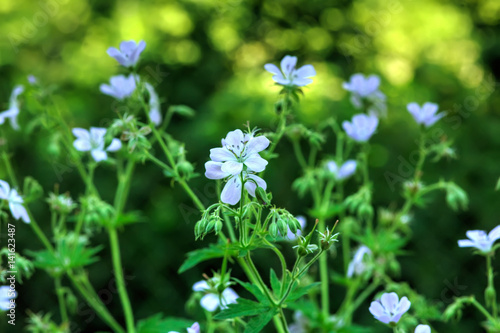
(237, 161)
(93, 141)
(13, 110)
(389, 308)
(212, 300)
(288, 75)
(15, 202)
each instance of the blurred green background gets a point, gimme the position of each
(209, 54)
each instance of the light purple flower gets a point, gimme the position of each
(15, 202)
(362, 88)
(480, 240)
(346, 170)
(13, 110)
(211, 301)
(120, 86)
(93, 141)
(362, 127)
(154, 105)
(423, 329)
(129, 52)
(6, 294)
(288, 75)
(425, 115)
(195, 328)
(32, 80)
(389, 309)
(238, 160)
(358, 264)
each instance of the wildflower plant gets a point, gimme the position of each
(354, 243)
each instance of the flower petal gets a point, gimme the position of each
(201, 286)
(494, 234)
(255, 163)
(221, 155)
(256, 145)
(466, 243)
(305, 71)
(389, 301)
(81, 145)
(232, 167)
(99, 155)
(229, 296)
(210, 302)
(213, 170)
(376, 309)
(81, 133)
(231, 193)
(250, 185)
(115, 145)
(423, 329)
(19, 212)
(288, 65)
(4, 190)
(271, 68)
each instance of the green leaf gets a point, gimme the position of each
(182, 110)
(197, 256)
(128, 218)
(258, 323)
(275, 283)
(298, 292)
(155, 324)
(243, 307)
(254, 290)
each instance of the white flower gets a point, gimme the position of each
(5, 296)
(15, 202)
(154, 105)
(423, 329)
(120, 86)
(358, 264)
(239, 156)
(129, 52)
(425, 115)
(195, 328)
(13, 110)
(480, 240)
(93, 141)
(361, 128)
(346, 170)
(389, 309)
(288, 75)
(362, 88)
(211, 301)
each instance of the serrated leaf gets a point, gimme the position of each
(197, 256)
(298, 292)
(275, 283)
(256, 324)
(157, 324)
(254, 290)
(243, 307)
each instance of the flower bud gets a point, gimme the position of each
(199, 228)
(490, 296)
(273, 230)
(218, 226)
(282, 227)
(293, 225)
(261, 195)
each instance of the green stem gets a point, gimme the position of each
(485, 312)
(491, 285)
(298, 153)
(362, 297)
(323, 273)
(261, 283)
(120, 281)
(60, 298)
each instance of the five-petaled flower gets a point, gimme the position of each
(362, 127)
(15, 202)
(6, 295)
(212, 301)
(362, 88)
(480, 240)
(195, 328)
(358, 263)
(389, 309)
(93, 141)
(120, 86)
(423, 329)
(288, 75)
(13, 110)
(129, 52)
(426, 114)
(345, 171)
(238, 160)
